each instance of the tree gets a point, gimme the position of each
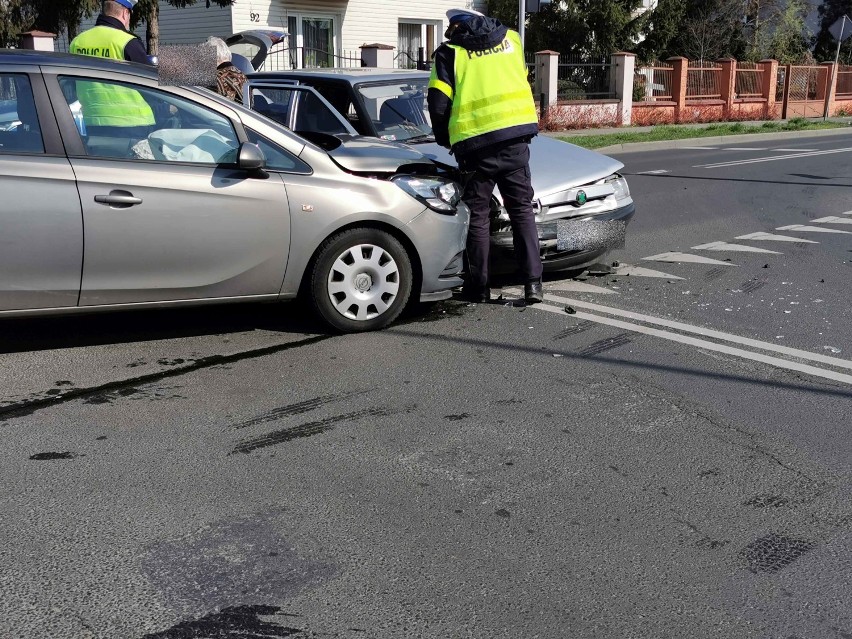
(590, 27)
(825, 46)
(149, 11)
(66, 15)
(16, 16)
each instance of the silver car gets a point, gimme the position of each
(194, 199)
(582, 204)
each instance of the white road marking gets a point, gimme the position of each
(744, 148)
(795, 150)
(833, 219)
(685, 257)
(580, 287)
(773, 238)
(801, 228)
(654, 172)
(771, 158)
(638, 271)
(701, 148)
(725, 246)
(704, 344)
(847, 213)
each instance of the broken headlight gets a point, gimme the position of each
(619, 185)
(437, 193)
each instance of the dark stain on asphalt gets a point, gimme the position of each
(54, 456)
(752, 285)
(574, 330)
(456, 418)
(237, 622)
(503, 513)
(108, 398)
(438, 312)
(715, 273)
(101, 438)
(774, 552)
(711, 544)
(136, 362)
(296, 409)
(604, 345)
(64, 382)
(310, 429)
(509, 401)
(171, 362)
(710, 472)
(30, 406)
(766, 501)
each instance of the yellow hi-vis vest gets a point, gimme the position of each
(491, 90)
(109, 104)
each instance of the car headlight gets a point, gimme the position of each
(619, 184)
(438, 194)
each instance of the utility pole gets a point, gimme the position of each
(522, 18)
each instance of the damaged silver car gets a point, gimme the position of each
(583, 204)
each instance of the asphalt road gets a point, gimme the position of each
(670, 459)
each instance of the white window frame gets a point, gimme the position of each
(299, 37)
(425, 24)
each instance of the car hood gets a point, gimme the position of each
(363, 154)
(555, 166)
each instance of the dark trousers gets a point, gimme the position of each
(506, 166)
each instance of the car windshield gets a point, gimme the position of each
(398, 109)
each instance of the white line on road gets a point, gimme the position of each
(639, 271)
(744, 148)
(771, 158)
(774, 238)
(794, 150)
(801, 228)
(685, 257)
(654, 172)
(832, 219)
(701, 148)
(847, 213)
(700, 343)
(725, 246)
(581, 287)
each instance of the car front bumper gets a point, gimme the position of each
(590, 238)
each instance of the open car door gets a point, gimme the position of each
(250, 48)
(300, 108)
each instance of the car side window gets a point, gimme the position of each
(277, 158)
(121, 120)
(19, 128)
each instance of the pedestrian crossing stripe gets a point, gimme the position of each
(638, 271)
(833, 219)
(774, 238)
(725, 246)
(801, 228)
(685, 257)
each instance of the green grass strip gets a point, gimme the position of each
(669, 132)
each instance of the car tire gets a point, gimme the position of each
(361, 280)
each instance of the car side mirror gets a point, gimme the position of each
(252, 160)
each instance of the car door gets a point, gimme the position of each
(41, 226)
(300, 108)
(168, 215)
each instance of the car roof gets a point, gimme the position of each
(354, 75)
(49, 58)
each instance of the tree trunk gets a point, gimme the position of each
(152, 28)
(73, 30)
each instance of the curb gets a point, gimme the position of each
(632, 147)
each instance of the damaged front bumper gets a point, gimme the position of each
(569, 243)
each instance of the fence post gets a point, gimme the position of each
(680, 68)
(377, 55)
(830, 88)
(769, 85)
(621, 84)
(788, 72)
(728, 84)
(546, 75)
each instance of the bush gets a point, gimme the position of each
(569, 90)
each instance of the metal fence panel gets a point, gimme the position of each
(584, 78)
(749, 80)
(844, 82)
(703, 80)
(653, 82)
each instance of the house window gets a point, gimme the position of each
(416, 42)
(313, 41)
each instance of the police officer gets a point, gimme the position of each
(111, 36)
(482, 108)
(107, 105)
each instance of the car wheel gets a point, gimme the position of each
(361, 280)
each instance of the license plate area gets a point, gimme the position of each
(586, 235)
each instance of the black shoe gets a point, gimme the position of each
(533, 293)
(476, 294)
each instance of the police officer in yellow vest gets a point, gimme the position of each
(482, 108)
(109, 104)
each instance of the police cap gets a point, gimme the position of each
(462, 15)
(127, 4)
